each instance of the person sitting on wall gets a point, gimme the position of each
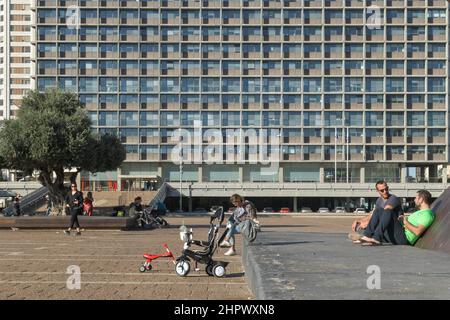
(403, 230)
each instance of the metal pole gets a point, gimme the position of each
(181, 177)
(335, 155)
(347, 155)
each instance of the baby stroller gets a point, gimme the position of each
(147, 218)
(204, 255)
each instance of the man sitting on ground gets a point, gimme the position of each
(386, 201)
(402, 230)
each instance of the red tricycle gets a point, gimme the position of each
(146, 266)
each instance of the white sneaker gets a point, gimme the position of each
(225, 244)
(230, 252)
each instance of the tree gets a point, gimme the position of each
(52, 132)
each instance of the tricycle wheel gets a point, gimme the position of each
(209, 269)
(219, 271)
(142, 268)
(182, 268)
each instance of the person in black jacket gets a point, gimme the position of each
(74, 202)
(16, 206)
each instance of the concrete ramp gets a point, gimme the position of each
(437, 237)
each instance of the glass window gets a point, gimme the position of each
(129, 85)
(129, 118)
(374, 119)
(108, 119)
(436, 118)
(292, 119)
(416, 118)
(395, 119)
(251, 118)
(170, 119)
(147, 118)
(231, 118)
(88, 85)
(170, 85)
(292, 85)
(311, 119)
(354, 118)
(149, 85)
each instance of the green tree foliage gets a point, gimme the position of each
(52, 132)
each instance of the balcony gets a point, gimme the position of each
(333, 105)
(92, 38)
(312, 156)
(109, 3)
(149, 106)
(293, 3)
(109, 72)
(68, 3)
(287, 72)
(68, 72)
(395, 55)
(417, 55)
(109, 21)
(70, 37)
(416, 140)
(396, 3)
(354, 72)
(375, 156)
(88, 3)
(376, 139)
(190, 106)
(211, 106)
(375, 72)
(415, 156)
(437, 72)
(47, 71)
(396, 71)
(438, 139)
(416, 71)
(109, 54)
(88, 72)
(252, 72)
(375, 106)
(354, 3)
(395, 156)
(129, 4)
(68, 54)
(292, 157)
(437, 3)
(167, 54)
(91, 106)
(314, 4)
(334, 3)
(437, 157)
(46, 3)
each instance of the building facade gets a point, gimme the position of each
(15, 54)
(353, 90)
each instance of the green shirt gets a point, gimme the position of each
(423, 217)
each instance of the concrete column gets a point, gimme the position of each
(322, 175)
(444, 174)
(403, 174)
(160, 173)
(241, 174)
(295, 209)
(281, 175)
(190, 199)
(119, 179)
(78, 180)
(200, 174)
(362, 175)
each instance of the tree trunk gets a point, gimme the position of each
(56, 190)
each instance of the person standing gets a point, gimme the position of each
(88, 207)
(16, 206)
(74, 202)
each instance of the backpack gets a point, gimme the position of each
(248, 230)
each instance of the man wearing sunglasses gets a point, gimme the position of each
(387, 207)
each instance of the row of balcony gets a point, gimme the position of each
(239, 3)
(263, 106)
(306, 140)
(250, 72)
(114, 21)
(246, 38)
(237, 55)
(438, 157)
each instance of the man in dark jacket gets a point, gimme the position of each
(74, 201)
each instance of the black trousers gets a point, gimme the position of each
(74, 219)
(384, 226)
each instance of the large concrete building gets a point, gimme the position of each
(15, 54)
(354, 90)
